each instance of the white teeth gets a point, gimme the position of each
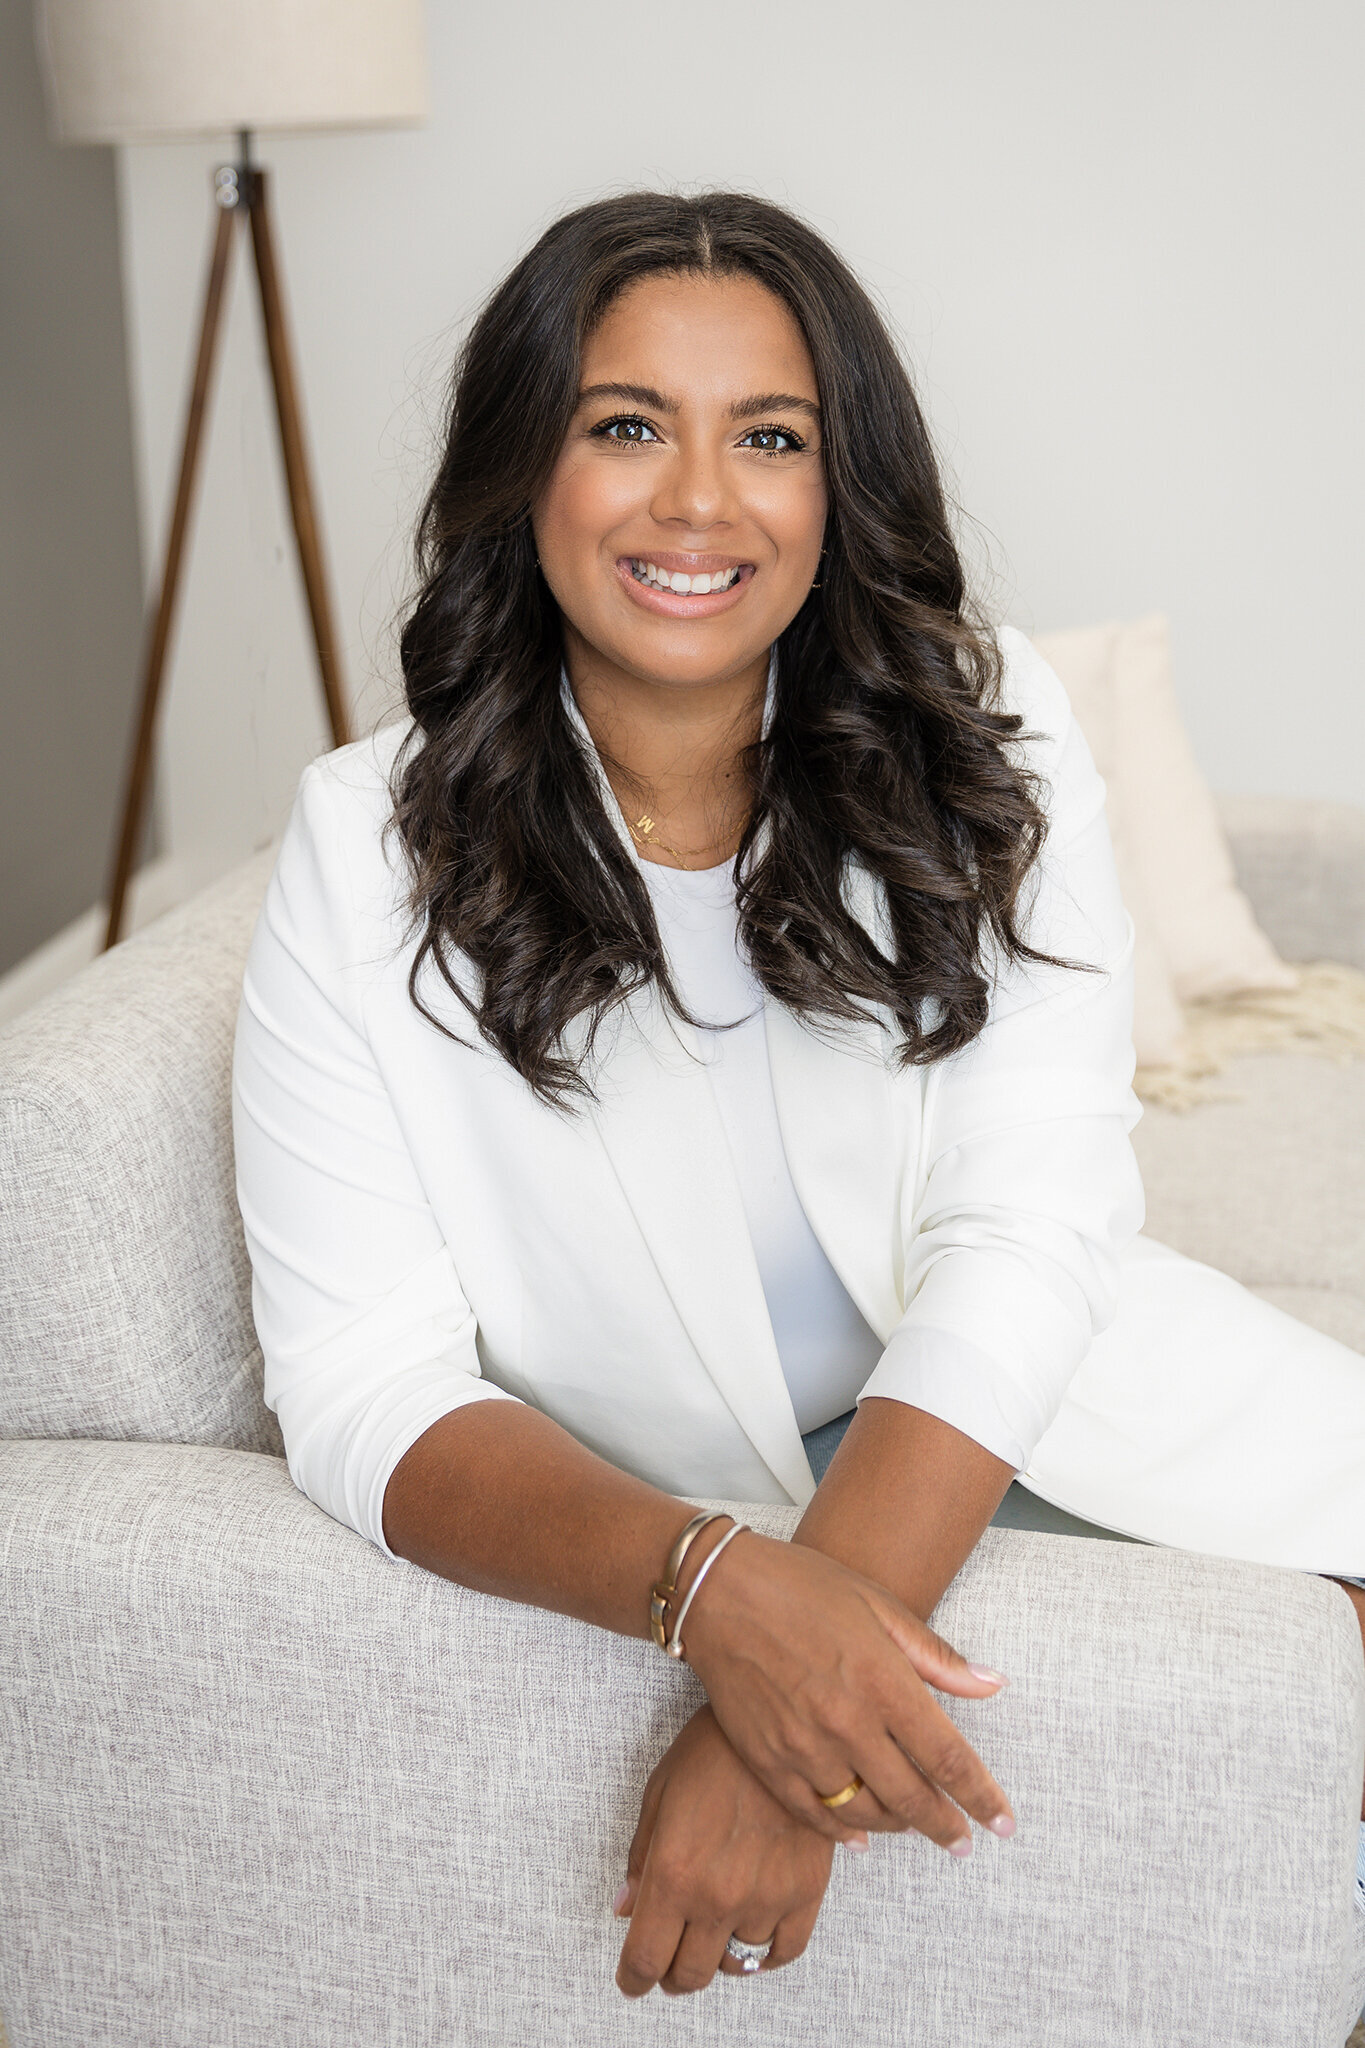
(682, 585)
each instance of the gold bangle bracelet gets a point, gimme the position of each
(663, 1592)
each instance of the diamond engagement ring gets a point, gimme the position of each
(750, 1955)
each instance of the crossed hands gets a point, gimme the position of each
(813, 1674)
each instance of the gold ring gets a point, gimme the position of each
(850, 1791)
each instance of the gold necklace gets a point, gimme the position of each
(640, 832)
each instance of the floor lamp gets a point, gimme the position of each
(139, 70)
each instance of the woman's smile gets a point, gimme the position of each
(684, 586)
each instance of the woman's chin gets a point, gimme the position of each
(685, 663)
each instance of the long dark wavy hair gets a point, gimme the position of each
(886, 747)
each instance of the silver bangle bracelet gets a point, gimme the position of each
(675, 1643)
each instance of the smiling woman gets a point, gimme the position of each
(709, 1015)
(620, 518)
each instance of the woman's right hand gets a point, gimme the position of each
(815, 1673)
(714, 1855)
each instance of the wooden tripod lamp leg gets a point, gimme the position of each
(163, 619)
(301, 500)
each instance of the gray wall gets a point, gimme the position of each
(1122, 243)
(70, 576)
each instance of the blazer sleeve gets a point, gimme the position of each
(365, 1330)
(1027, 1188)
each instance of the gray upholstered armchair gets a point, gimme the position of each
(266, 1788)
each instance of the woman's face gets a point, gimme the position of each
(694, 458)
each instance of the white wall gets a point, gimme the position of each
(1121, 243)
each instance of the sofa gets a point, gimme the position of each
(267, 1788)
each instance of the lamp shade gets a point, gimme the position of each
(132, 70)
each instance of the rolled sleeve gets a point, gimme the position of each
(940, 1372)
(365, 1330)
(1028, 1188)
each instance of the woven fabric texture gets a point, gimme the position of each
(124, 1281)
(1302, 863)
(310, 1796)
(1268, 1184)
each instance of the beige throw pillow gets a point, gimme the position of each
(1196, 936)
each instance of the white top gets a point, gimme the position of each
(424, 1232)
(826, 1348)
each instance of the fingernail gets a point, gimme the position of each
(986, 1675)
(619, 1903)
(961, 1847)
(1003, 1824)
(859, 1848)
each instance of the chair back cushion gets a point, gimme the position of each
(125, 1289)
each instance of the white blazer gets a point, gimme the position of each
(423, 1232)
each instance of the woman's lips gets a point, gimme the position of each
(680, 604)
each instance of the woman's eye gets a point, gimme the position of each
(626, 430)
(772, 440)
(629, 430)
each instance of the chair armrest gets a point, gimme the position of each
(266, 1783)
(125, 1288)
(1302, 864)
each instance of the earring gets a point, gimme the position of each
(816, 584)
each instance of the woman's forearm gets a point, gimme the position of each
(807, 1664)
(904, 1501)
(498, 1497)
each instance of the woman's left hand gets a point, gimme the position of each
(715, 1855)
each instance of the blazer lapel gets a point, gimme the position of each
(842, 1125)
(657, 1117)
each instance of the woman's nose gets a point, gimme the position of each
(695, 489)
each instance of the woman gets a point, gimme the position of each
(698, 1038)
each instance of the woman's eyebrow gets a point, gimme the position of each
(633, 394)
(739, 408)
(773, 401)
